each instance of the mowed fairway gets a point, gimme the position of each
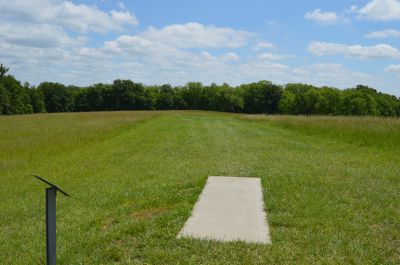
(331, 186)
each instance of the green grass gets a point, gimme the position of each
(331, 186)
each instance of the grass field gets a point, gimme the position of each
(331, 186)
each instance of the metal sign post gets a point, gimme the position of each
(51, 193)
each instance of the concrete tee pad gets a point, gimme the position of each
(229, 209)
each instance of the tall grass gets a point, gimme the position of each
(362, 131)
(28, 138)
(134, 177)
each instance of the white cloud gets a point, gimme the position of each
(383, 10)
(332, 74)
(142, 50)
(322, 17)
(393, 68)
(325, 48)
(41, 35)
(35, 44)
(195, 35)
(378, 51)
(230, 56)
(388, 33)
(77, 17)
(209, 58)
(257, 70)
(262, 44)
(138, 59)
(131, 43)
(273, 56)
(120, 18)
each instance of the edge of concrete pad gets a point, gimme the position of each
(265, 237)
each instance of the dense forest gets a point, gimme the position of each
(260, 97)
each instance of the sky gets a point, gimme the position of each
(333, 43)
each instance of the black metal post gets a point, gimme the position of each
(51, 194)
(51, 226)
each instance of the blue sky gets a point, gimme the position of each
(334, 43)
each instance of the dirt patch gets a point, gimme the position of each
(146, 214)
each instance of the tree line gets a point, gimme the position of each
(260, 97)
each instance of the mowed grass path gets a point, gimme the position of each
(135, 176)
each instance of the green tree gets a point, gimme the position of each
(151, 95)
(37, 100)
(3, 70)
(5, 100)
(192, 94)
(261, 97)
(57, 97)
(165, 100)
(287, 104)
(13, 97)
(127, 95)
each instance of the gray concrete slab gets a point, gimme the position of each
(229, 209)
